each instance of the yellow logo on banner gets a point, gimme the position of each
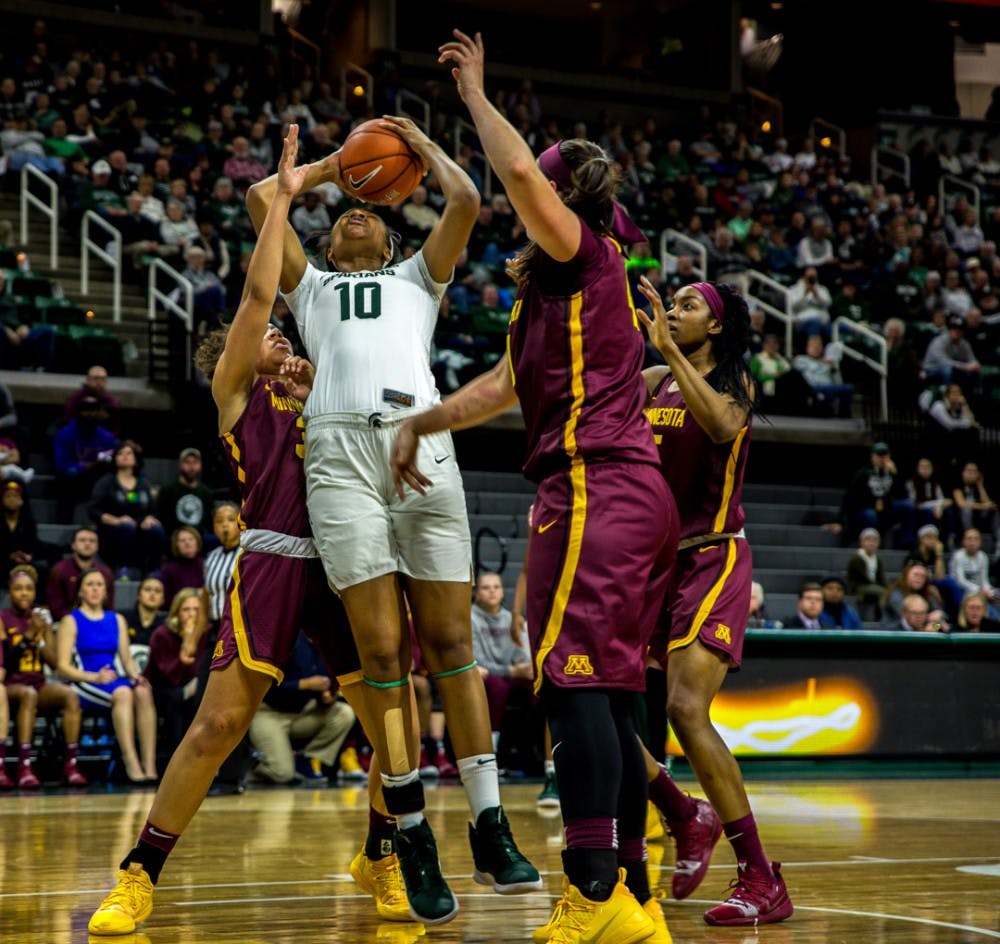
(832, 715)
(722, 632)
(578, 665)
(220, 650)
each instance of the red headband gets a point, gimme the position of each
(711, 295)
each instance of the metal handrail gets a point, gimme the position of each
(50, 209)
(963, 184)
(881, 366)
(785, 315)
(464, 126)
(185, 312)
(403, 95)
(297, 37)
(877, 165)
(772, 107)
(87, 246)
(350, 68)
(840, 132)
(668, 235)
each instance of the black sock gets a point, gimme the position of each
(151, 858)
(380, 841)
(593, 871)
(637, 880)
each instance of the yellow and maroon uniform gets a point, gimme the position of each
(708, 596)
(604, 527)
(22, 657)
(277, 586)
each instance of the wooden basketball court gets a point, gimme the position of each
(867, 862)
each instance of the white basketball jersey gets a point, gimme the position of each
(369, 335)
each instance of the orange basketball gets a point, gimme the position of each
(377, 165)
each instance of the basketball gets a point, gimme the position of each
(377, 165)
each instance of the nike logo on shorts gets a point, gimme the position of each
(358, 184)
(545, 527)
(440, 459)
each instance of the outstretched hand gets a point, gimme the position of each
(299, 375)
(419, 143)
(290, 177)
(655, 322)
(469, 58)
(403, 461)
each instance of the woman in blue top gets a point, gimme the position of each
(88, 641)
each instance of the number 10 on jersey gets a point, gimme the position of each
(360, 299)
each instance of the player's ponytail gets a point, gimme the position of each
(588, 182)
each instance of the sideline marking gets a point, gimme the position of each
(991, 870)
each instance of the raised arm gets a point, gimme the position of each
(448, 237)
(235, 370)
(260, 197)
(549, 222)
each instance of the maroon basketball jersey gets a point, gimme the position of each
(705, 477)
(22, 659)
(575, 353)
(265, 448)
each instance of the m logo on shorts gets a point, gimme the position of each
(578, 665)
(220, 650)
(723, 632)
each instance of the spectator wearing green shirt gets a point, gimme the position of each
(98, 194)
(58, 145)
(187, 500)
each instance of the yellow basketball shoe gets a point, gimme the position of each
(129, 904)
(619, 920)
(654, 868)
(654, 825)
(662, 933)
(383, 880)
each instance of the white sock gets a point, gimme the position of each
(479, 777)
(404, 820)
(496, 740)
(550, 768)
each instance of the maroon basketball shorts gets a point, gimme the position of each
(272, 597)
(708, 598)
(603, 539)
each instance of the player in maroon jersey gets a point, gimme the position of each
(701, 411)
(259, 389)
(596, 570)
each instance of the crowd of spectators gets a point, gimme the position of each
(164, 144)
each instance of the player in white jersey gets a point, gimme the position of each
(367, 325)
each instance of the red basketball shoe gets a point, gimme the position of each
(26, 779)
(696, 838)
(72, 776)
(756, 899)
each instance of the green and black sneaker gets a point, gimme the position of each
(431, 900)
(548, 799)
(497, 859)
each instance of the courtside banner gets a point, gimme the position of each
(817, 693)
